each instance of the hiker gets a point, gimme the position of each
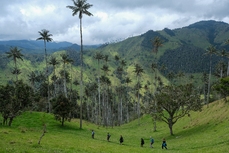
(121, 140)
(92, 134)
(164, 145)
(151, 142)
(108, 137)
(142, 142)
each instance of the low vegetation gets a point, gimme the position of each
(205, 131)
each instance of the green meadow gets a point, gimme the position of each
(201, 132)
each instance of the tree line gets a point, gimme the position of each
(99, 101)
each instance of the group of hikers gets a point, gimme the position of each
(121, 140)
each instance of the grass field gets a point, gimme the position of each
(203, 132)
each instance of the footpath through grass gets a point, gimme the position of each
(206, 131)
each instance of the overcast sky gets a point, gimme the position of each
(111, 20)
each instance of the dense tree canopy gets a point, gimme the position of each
(14, 99)
(62, 107)
(176, 101)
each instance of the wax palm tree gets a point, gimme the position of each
(66, 60)
(54, 62)
(80, 7)
(15, 53)
(117, 58)
(32, 79)
(157, 42)
(106, 59)
(223, 54)
(210, 51)
(46, 37)
(98, 56)
(127, 81)
(138, 70)
(105, 69)
(227, 55)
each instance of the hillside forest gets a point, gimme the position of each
(165, 73)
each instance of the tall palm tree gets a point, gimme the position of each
(138, 70)
(15, 53)
(32, 79)
(80, 7)
(65, 60)
(127, 81)
(53, 61)
(223, 54)
(227, 55)
(210, 51)
(98, 56)
(106, 59)
(157, 42)
(46, 37)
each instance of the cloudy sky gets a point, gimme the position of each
(111, 20)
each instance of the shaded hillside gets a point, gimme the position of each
(215, 31)
(188, 59)
(183, 50)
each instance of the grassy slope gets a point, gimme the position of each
(206, 131)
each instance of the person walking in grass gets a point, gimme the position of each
(142, 142)
(121, 140)
(164, 144)
(108, 137)
(93, 134)
(151, 142)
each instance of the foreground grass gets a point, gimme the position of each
(206, 131)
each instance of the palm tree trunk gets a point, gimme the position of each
(155, 103)
(15, 64)
(46, 63)
(138, 107)
(65, 88)
(209, 82)
(81, 74)
(121, 116)
(228, 69)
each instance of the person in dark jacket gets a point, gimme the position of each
(121, 140)
(108, 137)
(142, 142)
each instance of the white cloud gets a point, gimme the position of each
(111, 19)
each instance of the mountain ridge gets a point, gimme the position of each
(183, 50)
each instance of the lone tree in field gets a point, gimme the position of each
(174, 102)
(62, 107)
(80, 7)
(47, 38)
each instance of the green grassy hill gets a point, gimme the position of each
(205, 131)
